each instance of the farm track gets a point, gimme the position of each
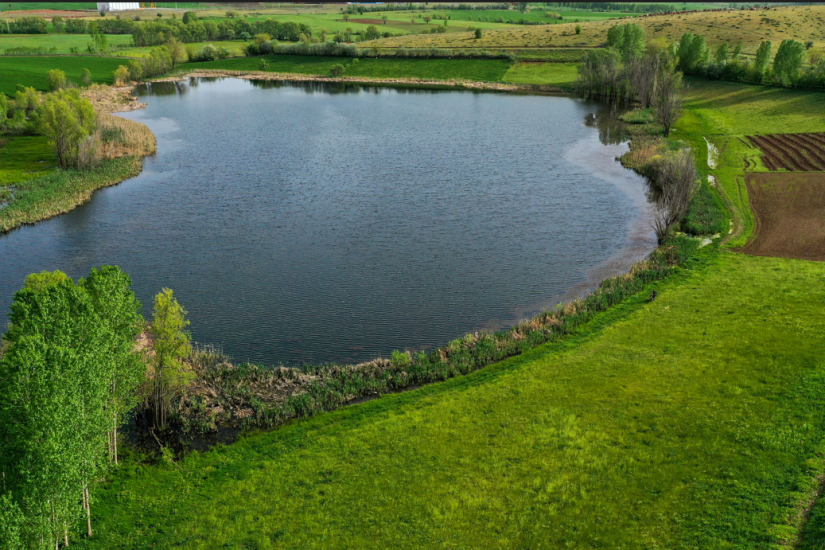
(792, 152)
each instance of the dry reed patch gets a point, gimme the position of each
(792, 152)
(124, 137)
(790, 215)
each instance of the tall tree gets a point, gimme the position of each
(668, 99)
(110, 290)
(763, 57)
(788, 62)
(171, 343)
(628, 40)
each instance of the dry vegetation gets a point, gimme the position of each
(802, 23)
(123, 137)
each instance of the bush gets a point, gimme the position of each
(56, 79)
(86, 77)
(121, 75)
(336, 70)
(578, 29)
(478, 34)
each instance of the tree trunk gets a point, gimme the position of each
(88, 513)
(114, 437)
(65, 536)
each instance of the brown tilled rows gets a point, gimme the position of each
(790, 215)
(792, 152)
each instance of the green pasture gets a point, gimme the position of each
(236, 47)
(24, 6)
(553, 74)
(31, 71)
(694, 421)
(22, 158)
(63, 42)
(482, 70)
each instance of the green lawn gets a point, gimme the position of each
(694, 421)
(234, 46)
(554, 74)
(31, 71)
(60, 41)
(483, 70)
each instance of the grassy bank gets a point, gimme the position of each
(31, 71)
(602, 440)
(59, 191)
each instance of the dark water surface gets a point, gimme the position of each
(308, 223)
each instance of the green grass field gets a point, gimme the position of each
(60, 41)
(553, 74)
(31, 71)
(482, 70)
(694, 421)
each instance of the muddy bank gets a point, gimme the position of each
(424, 83)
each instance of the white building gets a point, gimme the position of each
(117, 6)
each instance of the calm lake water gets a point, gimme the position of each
(311, 223)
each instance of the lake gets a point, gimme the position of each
(307, 222)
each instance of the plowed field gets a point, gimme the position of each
(790, 215)
(792, 152)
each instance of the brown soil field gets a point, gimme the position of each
(49, 13)
(790, 215)
(792, 152)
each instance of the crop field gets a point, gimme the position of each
(799, 22)
(624, 436)
(63, 42)
(480, 70)
(31, 71)
(792, 152)
(790, 215)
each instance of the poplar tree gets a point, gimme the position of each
(171, 343)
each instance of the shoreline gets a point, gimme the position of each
(119, 163)
(416, 82)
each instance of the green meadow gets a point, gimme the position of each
(31, 71)
(552, 74)
(63, 42)
(694, 421)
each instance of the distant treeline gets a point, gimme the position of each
(23, 25)
(614, 6)
(410, 6)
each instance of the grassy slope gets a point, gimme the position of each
(31, 71)
(799, 22)
(441, 69)
(622, 437)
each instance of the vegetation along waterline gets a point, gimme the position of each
(687, 414)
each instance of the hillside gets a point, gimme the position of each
(802, 23)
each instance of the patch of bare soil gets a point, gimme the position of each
(792, 152)
(790, 215)
(112, 99)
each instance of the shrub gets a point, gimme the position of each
(263, 65)
(336, 70)
(56, 79)
(121, 75)
(85, 77)
(478, 34)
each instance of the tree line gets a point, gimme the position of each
(794, 65)
(70, 372)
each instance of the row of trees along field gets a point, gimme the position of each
(70, 372)
(794, 65)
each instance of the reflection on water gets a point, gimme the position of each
(309, 222)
